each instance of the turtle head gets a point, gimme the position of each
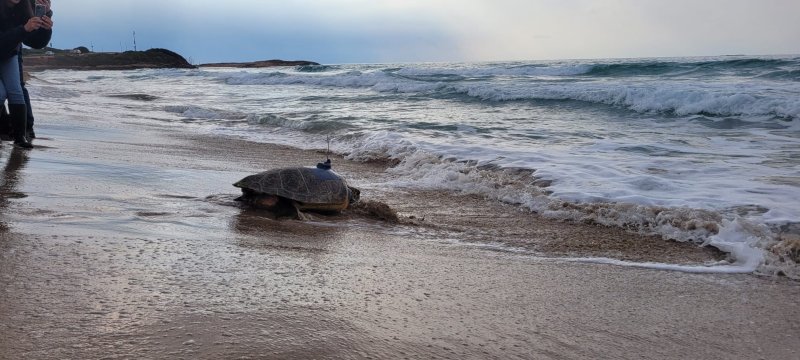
(354, 194)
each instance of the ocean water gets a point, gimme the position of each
(705, 150)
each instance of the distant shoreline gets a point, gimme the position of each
(83, 59)
(261, 64)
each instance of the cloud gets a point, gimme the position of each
(545, 29)
(326, 31)
(444, 30)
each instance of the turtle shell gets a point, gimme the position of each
(311, 188)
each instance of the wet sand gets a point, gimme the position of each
(121, 240)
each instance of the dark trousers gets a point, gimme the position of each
(5, 122)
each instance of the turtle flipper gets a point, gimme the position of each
(299, 215)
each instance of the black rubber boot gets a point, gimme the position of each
(30, 135)
(19, 124)
(5, 125)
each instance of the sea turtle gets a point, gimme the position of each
(289, 191)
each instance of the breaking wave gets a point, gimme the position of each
(753, 245)
(681, 89)
(696, 150)
(201, 113)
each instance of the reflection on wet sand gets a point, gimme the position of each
(9, 261)
(11, 176)
(16, 161)
(259, 229)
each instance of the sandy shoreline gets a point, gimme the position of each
(120, 240)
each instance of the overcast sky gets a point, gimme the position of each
(370, 31)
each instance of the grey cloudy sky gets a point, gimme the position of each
(368, 31)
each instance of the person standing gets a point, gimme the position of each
(16, 25)
(36, 40)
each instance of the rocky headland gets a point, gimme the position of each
(83, 59)
(261, 64)
(78, 59)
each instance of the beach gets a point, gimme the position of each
(120, 239)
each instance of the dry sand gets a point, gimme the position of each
(122, 241)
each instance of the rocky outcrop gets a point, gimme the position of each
(262, 64)
(128, 60)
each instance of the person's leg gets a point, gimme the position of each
(30, 132)
(5, 119)
(10, 75)
(9, 72)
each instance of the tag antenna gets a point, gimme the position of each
(328, 154)
(327, 164)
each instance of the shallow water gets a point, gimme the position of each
(702, 150)
(122, 241)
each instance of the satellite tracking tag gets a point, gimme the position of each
(324, 166)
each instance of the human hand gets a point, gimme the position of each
(47, 23)
(33, 23)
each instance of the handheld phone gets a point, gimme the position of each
(40, 10)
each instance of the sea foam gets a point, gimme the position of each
(679, 97)
(695, 150)
(747, 241)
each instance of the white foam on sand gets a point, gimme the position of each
(709, 269)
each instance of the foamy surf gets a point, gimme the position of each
(701, 150)
(722, 268)
(733, 239)
(747, 241)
